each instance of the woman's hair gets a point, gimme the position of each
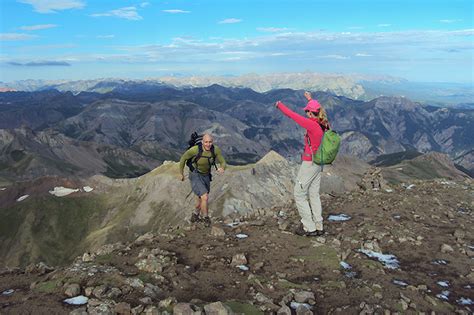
(322, 119)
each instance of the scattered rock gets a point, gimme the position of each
(73, 289)
(217, 308)
(238, 259)
(217, 231)
(445, 248)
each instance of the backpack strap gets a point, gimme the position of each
(199, 155)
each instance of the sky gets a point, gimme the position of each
(418, 40)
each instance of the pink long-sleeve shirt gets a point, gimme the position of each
(313, 131)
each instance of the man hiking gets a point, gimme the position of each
(308, 180)
(202, 156)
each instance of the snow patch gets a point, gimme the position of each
(444, 295)
(2, 188)
(400, 282)
(390, 261)
(345, 265)
(243, 267)
(78, 300)
(294, 305)
(8, 292)
(22, 198)
(241, 235)
(443, 284)
(440, 262)
(465, 301)
(339, 217)
(87, 188)
(62, 191)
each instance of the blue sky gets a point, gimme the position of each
(430, 41)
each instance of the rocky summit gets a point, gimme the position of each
(389, 249)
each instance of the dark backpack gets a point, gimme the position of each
(196, 139)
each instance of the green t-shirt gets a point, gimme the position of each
(203, 165)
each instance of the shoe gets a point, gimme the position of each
(206, 221)
(301, 232)
(315, 233)
(195, 217)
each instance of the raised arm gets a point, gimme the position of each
(300, 120)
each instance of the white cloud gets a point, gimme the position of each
(128, 13)
(363, 55)
(356, 28)
(15, 36)
(230, 21)
(334, 57)
(384, 25)
(106, 36)
(52, 6)
(272, 29)
(37, 27)
(144, 4)
(450, 21)
(175, 11)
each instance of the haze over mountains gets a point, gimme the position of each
(361, 87)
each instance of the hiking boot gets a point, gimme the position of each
(315, 233)
(195, 217)
(206, 221)
(301, 232)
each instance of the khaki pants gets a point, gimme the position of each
(307, 186)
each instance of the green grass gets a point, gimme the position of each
(322, 256)
(56, 226)
(47, 287)
(243, 308)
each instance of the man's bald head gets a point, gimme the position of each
(207, 142)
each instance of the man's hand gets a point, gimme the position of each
(182, 177)
(220, 170)
(277, 103)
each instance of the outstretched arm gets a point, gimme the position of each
(300, 120)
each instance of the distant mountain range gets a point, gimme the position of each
(360, 87)
(137, 126)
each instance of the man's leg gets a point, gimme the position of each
(204, 210)
(198, 205)
(203, 205)
(306, 175)
(315, 200)
(195, 215)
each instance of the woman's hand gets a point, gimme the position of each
(308, 95)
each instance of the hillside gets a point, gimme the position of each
(428, 228)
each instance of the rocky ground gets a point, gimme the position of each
(255, 264)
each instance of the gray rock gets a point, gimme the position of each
(73, 289)
(150, 264)
(79, 311)
(151, 310)
(123, 308)
(304, 296)
(217, 308)
(135, 282)
(284, 310)
(263, 299)
(186, 309)
(145, 239)
(459, 234)
(217, 231)
(113, 293)
(100, 291)
(445, 248)
(87, 257)
(170, 301)
(238, 259)
(102, 309)
(303, 310)
(137, 310)
(146, 300)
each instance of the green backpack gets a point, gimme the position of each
(328, 148)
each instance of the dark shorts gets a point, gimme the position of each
(200, 183)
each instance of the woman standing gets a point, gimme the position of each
(308, 180)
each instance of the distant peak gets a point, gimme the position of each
(271, 157)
